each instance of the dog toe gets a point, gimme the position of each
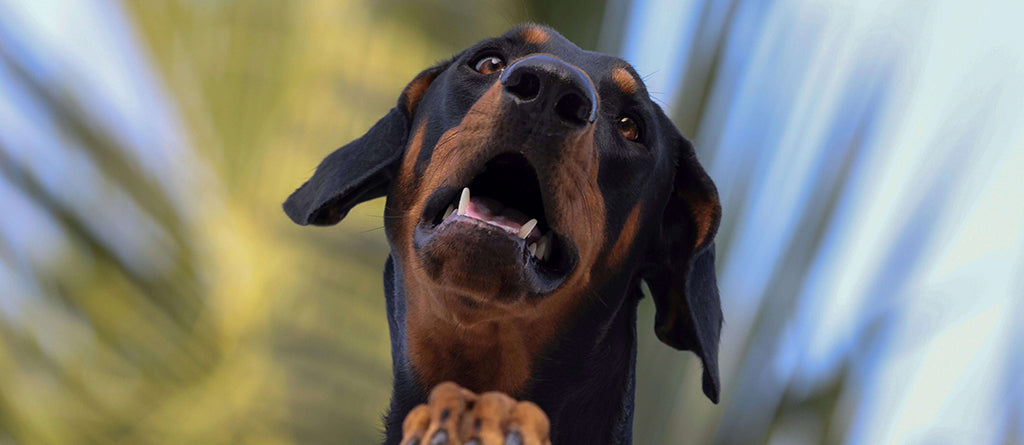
(497, 419)
(437, 422)
(530, 423)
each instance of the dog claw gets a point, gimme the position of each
(440, 438)
(514, 438)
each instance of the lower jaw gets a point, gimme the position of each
(481, 260)
(480, 275)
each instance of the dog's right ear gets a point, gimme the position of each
(681, 276)
(362, 169)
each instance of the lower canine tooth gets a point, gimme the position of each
(533, 249)
(447, 213)
(527, 228)
(542, 247)
(464, 201)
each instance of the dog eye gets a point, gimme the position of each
(489, 65)
(628, 128)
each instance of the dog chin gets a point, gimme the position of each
(473, 258)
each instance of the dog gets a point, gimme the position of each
(531, 187)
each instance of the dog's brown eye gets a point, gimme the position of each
(490, 64)
(628, 128)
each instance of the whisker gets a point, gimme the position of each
(362, 232)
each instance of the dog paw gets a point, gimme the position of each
(454, 415)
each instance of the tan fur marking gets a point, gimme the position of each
(535, 35)
(625, 81)
(494, 348)
(663, 331)
(703, 217)
(406, 181)
(703, 210)
(437, 342)
(407, 175)
(415, 90)
(620, 250)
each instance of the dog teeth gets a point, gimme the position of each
(447, 213)
(542, 247)
(527, 228)
(464, 201)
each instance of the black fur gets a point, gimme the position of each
(585, 379)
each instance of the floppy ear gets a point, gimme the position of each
(682, 276)
(362, 169)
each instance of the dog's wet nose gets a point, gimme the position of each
(550, 87)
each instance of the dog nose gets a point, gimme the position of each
(546, 85)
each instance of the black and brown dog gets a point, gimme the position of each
(531, 186)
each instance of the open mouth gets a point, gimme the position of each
(504, 200)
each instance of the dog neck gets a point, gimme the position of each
(584, 381)
(487, 355)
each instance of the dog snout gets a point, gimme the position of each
(545, 87)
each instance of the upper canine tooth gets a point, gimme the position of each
(527, 228)
(464, 201)
(447, 213)
(533, 249)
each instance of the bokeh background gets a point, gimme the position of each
(869, 155)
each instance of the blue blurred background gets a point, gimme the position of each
(869, 156)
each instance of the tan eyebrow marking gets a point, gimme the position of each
(625, 81)
(534, 35)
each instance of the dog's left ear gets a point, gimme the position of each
(681, 275)
(362, 169)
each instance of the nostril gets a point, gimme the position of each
(573, 108)
(525, 86)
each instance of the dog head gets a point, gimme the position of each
(522, 175)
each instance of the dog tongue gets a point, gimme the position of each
(497, 214)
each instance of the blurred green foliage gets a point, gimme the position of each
(258, 330)
(205, 316)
